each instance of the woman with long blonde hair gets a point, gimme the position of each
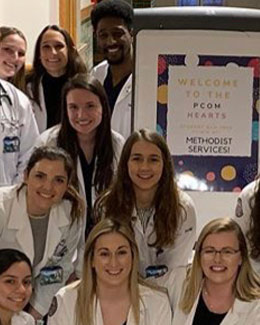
(110, 291)
(220, 287)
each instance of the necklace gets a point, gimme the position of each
(217, 309)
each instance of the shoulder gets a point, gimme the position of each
(8, 193)
(250, 189)
(250, 310)
(117, 138)
(100, 71)
(22, 318)
(152, 295)
(15, 93)
(68, 293)
(49, 136)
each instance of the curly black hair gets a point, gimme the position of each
(112, 8)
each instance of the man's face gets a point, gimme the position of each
(114, 40)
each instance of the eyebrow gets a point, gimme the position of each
(43, 173)
(105, 248)
(15, 277)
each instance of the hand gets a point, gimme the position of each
(35, 314)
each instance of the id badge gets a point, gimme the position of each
(51, 275)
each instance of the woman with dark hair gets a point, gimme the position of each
(219, 287)
(13, 47)
(15, 287)
(56, 59)
(247, 216)
(145, 195)
(85, 133)
(110, 291)
(43, 218)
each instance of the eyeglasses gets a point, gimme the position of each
(225, 253)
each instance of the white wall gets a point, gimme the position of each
(31, 16)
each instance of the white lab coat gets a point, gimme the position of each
(242, 312)
(18, 131)
(22, 318)
(177, 255)
(61, 242)
(49, 138)
(243, 210)
(154, 308)
(40, 113)
(121, 117)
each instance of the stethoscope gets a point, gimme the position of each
(8, 117)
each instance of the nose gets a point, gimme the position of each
(81, 112)
(144, 165)
(113, 260)
(111, 40)
(217, 256)
(48, 185)
(53, 50)
(21, 288)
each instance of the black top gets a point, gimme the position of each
(204, 316)
(87, 172)
(52, 96)
(113, 91)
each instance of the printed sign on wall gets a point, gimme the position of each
(207, 108)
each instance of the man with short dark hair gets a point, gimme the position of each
(112, 22)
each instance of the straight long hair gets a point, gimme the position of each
(87, 288)
(103, 149)
(119, 200)
(247, 283)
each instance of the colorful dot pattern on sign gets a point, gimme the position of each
(219, 173)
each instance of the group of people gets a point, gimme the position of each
(93, 228)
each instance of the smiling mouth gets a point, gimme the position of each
(83, 122)
(45, 196)
(218, 268)
(114, 273)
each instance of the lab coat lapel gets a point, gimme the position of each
(98, 313)
(19, 220)
(57, 220)
(234, 315)
(125, 91)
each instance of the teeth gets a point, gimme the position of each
(17, 299)
(113, 50)
(113, 272)
(46, 196)
(145, 176)
(218, 268)
(84, 122)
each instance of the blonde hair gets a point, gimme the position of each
(88, 285)
(247, 284)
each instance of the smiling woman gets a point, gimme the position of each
(50, 224)
(56, 59)
(111, 291)
(12, 56)
(220, 287)
(94, 147)
(145, 195)
(15, 287)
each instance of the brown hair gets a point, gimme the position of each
(120, 199)
(19, 78)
